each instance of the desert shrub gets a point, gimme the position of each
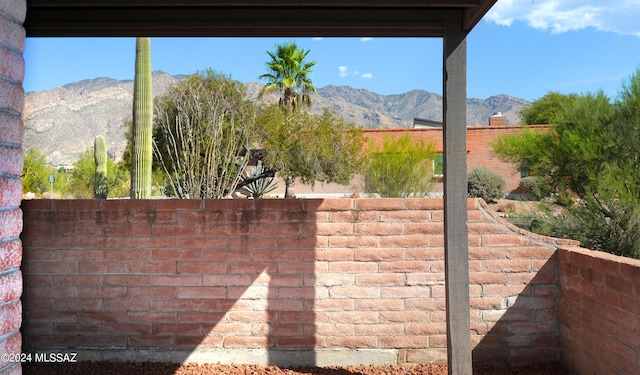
(401, 167)
(485, 184)
(536, 185)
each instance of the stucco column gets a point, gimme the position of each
(12, 42)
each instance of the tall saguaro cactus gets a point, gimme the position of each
(142, 152)
(100, 184)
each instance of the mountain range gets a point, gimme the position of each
(62, 122)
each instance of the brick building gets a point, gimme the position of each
(479, 154)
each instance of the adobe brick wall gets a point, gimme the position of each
(599, 312)
(311, 275)
(12, 40)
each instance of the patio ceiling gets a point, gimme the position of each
(420, 18)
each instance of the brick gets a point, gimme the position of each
(201, 217)
(356, 342)
(296, 293)
(12, 98)
(127, 255)
(76, 329)
(504, 240)
(10, 221)
(11, 345)
(178, 230)
(301, 242)
(277, 255)
(10, 188)
(201, 268)
(10, 286)
(175, 254)
(152, 267)
(223, 280)
(353, 267)
(425, 228)
(251, 242)
(164, 329)
(101, 267)
(10, 317)
(296, 342)
(221, 229)
(329, 204)
(354, 292)
(151, 317)
(409, 241)
(10, 254)
(425, 204)
(332, 229)
(177, 305)
(102, 292)
(504, 290)
(381, 304)
(339, 241)
(151, 242)
(380, 204)
(405, 292)
(278, 280)
(354, 216)
(506, 265)
(177, 280)
(329, 329)
(201, 292)
(77, 304)
(424, 254)
(101, 316)
(405, 266)
(377, 279)
(338, 254)
(379, 229)
(123, 280)
(14, 9)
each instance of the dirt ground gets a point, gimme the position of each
(156, 368)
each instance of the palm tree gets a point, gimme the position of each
(289, 74)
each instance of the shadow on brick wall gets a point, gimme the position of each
(175, 281)
(519, 317)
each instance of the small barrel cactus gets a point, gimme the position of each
(100, 184)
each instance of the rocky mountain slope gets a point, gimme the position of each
(62, 122)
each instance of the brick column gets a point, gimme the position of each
(12, 41)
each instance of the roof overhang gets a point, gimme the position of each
(419, 18)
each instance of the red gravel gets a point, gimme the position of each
(158, 368)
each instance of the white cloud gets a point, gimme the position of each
(342, 71)
(366, 75)
(558, 16)
(366, 39)
(316, 39)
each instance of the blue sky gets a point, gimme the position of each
(521, 48)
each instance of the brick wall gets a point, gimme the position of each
(600, 312)
(227, 276)
(12, 39)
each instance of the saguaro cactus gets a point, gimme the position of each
(141, 152)
(100, 183)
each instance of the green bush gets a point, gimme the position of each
(401, 167)
(536, 185)
(485, 184)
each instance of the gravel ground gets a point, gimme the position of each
(155, 368)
